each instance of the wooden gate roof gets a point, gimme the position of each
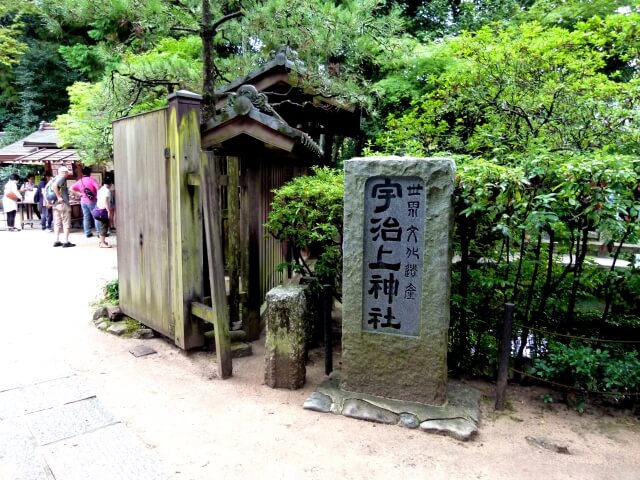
(248, 119)
(280, 79)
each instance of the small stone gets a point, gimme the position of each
(103, 325)
(117, 329)
(318, 402)
(409, 420)
(100, 313)
(141, 351)
(142, 333)
(362, 410)
(544, 443)
(458, 428)
(114, 313)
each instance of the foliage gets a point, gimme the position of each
(520, 89)
(111, 292)
(606, 369)
(11, 47)
(22, 170)
(42, 77)
(568, 13)
(441, 18)
(307, 213)
(140, 52)
(87, 124)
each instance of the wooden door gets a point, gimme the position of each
(142, 206)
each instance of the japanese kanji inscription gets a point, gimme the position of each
(393, 255)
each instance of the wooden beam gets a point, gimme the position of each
(202, 311)
(212, 234)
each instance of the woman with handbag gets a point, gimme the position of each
(10, 201)
(102, 211)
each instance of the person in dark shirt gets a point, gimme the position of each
(46, 213)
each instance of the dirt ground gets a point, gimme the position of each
(202, 427)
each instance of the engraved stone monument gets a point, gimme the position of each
(398, 221)
(396, 279)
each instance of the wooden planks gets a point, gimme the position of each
(141, 185)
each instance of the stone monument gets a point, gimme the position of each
(396, 278)
(398, 221)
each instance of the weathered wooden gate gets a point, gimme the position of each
(156, 154)
(171, 196)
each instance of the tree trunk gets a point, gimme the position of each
(208, 92)
(608, 295)
(581, 254)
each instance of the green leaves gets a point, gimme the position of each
(591, 368)
(307, 213)
(527, 88)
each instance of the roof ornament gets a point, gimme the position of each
(246, 99)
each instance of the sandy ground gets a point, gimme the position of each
(202, 427)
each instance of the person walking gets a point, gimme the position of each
(87, 187)
(61, 209)
(46, 212)
(102, 213)
(10, 201)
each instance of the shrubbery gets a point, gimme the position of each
(522, 235)
(307, 213)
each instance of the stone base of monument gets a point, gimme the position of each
(458, 417)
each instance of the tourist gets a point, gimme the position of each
(61, 209)
(10, 201)
(46, 212)
(87, 187)
(102, 212)
(29, 189)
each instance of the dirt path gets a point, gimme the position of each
(202, 427)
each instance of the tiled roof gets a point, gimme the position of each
(49, 155)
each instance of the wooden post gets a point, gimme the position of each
(233, 225)
(505, 351)
(251, 215)
(184, 216)
(212, 234)
(327, 303)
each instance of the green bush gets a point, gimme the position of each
(307, 213)
(606, 369)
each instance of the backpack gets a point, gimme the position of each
(48, 191)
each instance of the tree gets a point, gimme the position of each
(429, 20)
(339, 44)
(519, 89)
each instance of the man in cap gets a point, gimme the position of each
(61, 209)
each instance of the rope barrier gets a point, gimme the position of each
(585, 339)
(575, 388)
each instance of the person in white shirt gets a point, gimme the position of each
(10, 201)
(102, 213)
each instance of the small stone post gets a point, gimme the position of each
(285, 344)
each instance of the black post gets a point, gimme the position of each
(326, 313)
(505, 351)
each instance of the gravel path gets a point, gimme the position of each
(202, 427)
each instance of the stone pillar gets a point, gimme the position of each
(285, 343)
(398, 220)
